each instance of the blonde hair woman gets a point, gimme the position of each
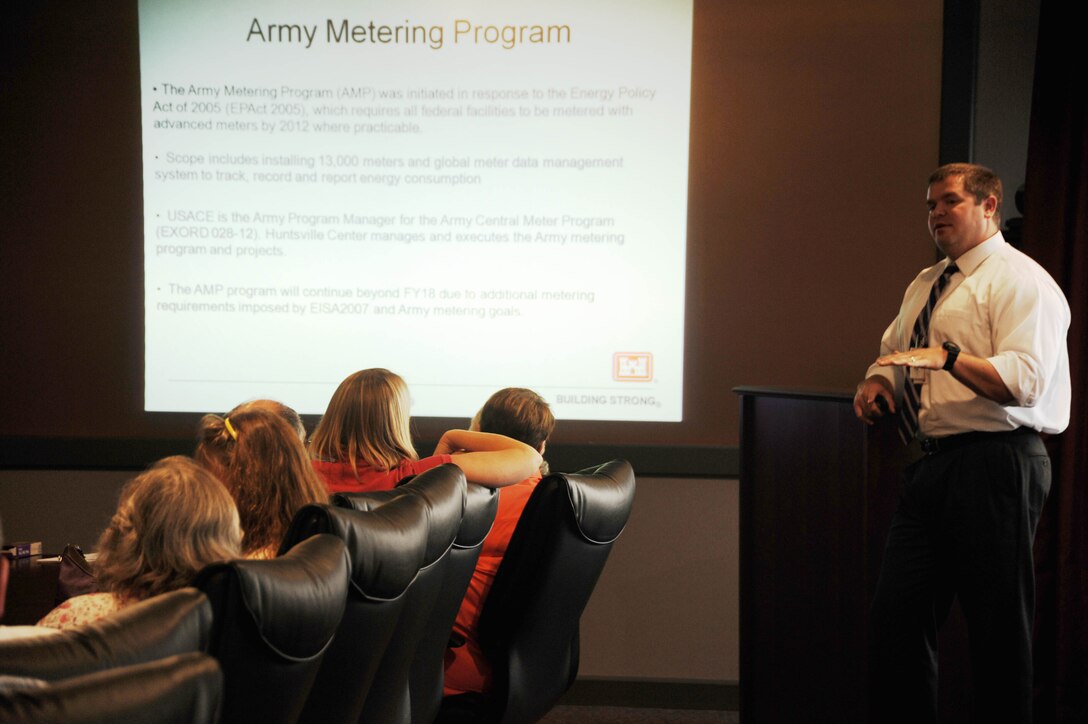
(171, 521)
(260, 458)
(363, 441)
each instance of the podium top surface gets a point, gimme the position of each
(797, 393)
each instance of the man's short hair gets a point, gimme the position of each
(978, 181)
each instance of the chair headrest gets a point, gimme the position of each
(601, 499)
(187, 687)
(481, 505)
(443, 489)
(386, 545)
(297, 600)
(172, 623)
(364, 502)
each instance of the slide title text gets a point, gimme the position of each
(464, 32)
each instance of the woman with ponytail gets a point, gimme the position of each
(260, 458)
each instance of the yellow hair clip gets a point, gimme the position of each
(230, 428)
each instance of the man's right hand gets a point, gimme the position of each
(870, 390)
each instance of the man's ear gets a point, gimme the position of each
(542, 446)
(989, 205)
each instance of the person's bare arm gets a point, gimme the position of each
(489, 459)
(976, 373)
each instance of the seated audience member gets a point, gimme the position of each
(363, 442)
(171, 521)
(523, 415)
(260, 458)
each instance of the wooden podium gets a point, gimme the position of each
(817, 492)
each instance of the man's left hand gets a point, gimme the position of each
(930, 358)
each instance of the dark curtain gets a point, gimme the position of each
(1056, 234)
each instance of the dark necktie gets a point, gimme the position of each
(908, 415)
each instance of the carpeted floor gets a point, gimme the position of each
(623, 715)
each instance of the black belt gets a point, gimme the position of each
(934, 445)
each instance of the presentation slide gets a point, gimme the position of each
(473, 194)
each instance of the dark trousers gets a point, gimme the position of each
(964, 527)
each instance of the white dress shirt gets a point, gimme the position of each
(1003, 306)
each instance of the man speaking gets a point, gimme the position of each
(976, 366)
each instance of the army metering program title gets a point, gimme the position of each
(433, 36)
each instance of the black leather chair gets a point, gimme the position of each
(173, 623)
(386, 547)
(185, 689)
(529, 622)
(426, 677)
(443, 491)
(273, 621)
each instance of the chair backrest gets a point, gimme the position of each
(443, 490)
(529, 623)
(185, 689)
(426, 677)
(273, 621)
(172, 623)
(386, 547)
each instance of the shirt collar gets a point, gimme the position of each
(971, 259)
